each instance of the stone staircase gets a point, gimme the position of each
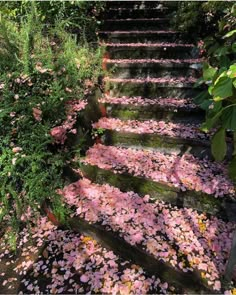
(149, 186)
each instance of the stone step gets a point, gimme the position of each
(151, 87)
(155, 134)
(78, 262)
(180, 180)
(136, 24)
(187, 249)
(142, 68)
(169, 109)
(134, 36)
(141, 4)
(121, 13)
(150, 51)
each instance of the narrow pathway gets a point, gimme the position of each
(150, 187)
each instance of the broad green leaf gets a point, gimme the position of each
(205, 105)
(209, 72)
(213, 48)
(221, 75)
(210, 88)
(217, 107)
(210, 122)
(229, 34)
(233, 10)
(224, 61)
(229, 117)
(218, 145)
(223, 88)
(232, 71)
(218, 98)
(221, 51)
(234, 83)
(201, 97)
(199, 81)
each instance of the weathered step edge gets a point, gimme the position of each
(223, 208)
(140, 36)
(199, 148)
(185, 282)
(142, 109)
(149, 89)
(129, 112)
(150, 51)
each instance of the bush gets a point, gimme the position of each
(215, 22)
(43, 73)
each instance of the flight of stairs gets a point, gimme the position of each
(150, 187)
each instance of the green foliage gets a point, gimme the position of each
(200, 18)
(219, 72)
(40, 70)
(219, 147)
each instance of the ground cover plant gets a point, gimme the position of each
(45, 75)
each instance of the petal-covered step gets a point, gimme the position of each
(151, 36)
(76, 263)
(168, 109)
(149, 12)
(176, 137)
(188, 249)
(142, 68)
(180, 87)
(136, 24)
(141, 4)
(181, 180)
(158, 135)
(150, 50)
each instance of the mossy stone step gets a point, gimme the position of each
(140, 36)
(197, 147)
(151, 69)
(142, 4)
(142, 112)
(138, 24)
(149, 51)
(202, 202)
(183, 282)
(149, 89)
(136, 13)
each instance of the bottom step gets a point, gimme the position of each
(73, 263)
(185, 248)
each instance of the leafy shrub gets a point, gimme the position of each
(219, 75)
(40, 72)
(198, 19)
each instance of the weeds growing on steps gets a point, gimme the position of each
(40, 70)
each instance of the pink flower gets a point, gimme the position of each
(59, 134)
(37, 114)
(84, 278)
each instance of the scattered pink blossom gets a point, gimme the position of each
(185, 173)
(182, 237)
(162, 128)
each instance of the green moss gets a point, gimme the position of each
(149, 140)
